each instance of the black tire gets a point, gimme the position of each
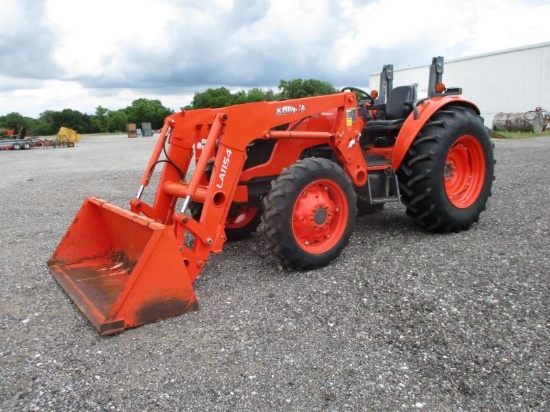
(70, 144)
(26, 146)
(447, 174)
(235, 228)
(309, 213)
(16, 146)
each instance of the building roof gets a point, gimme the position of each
(476, 56)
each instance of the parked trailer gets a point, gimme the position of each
(19, 144)
(65, 138)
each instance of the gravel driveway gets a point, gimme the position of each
(403, 320)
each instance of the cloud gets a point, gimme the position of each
(169, 48)
(26, 41)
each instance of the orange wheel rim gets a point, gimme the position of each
(320, 216)
(244, 216)
(464, 172)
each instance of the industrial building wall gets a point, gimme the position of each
(510, 81)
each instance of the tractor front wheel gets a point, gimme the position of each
(309, 213)
(447, 174)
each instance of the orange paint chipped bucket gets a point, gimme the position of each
(122, 269)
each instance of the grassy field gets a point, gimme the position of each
(518, 135)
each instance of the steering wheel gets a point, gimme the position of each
(370, 100)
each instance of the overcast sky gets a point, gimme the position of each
(79, 54)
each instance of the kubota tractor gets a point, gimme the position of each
(303, 168)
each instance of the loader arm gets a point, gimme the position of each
(125, 268)
(224, 135)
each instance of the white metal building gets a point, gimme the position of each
(511, 81)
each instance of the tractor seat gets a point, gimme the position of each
(395, 111)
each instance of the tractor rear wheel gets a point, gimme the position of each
(309, 213)
(447, 174)
(243, 220)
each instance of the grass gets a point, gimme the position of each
(518, 135)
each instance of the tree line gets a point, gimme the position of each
(153, 111)
(104, 120)
(288, 89)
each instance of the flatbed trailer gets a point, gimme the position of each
(65, 138)
(19, 144)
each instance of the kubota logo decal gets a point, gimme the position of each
(288, 109)
(223, 169)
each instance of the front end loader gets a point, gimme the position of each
(303, 168)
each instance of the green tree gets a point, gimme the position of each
(52, 121)
(239, 97)
(290, 89)
(258, 95)
(212, 98)
(152, 111)
(45, 123)
(99, 120)
(146, 110)
(116, 121)
(296, 88)
(15, 120)
(222, 97)
(270, 95)
(34, 127)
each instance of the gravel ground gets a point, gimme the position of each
(403, 320)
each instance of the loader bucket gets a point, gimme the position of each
(121, 269)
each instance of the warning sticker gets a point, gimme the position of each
(351, 116)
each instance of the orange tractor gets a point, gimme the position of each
(304, 168)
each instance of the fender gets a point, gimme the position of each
(412, 126)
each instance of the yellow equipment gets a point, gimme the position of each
(67, 137)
